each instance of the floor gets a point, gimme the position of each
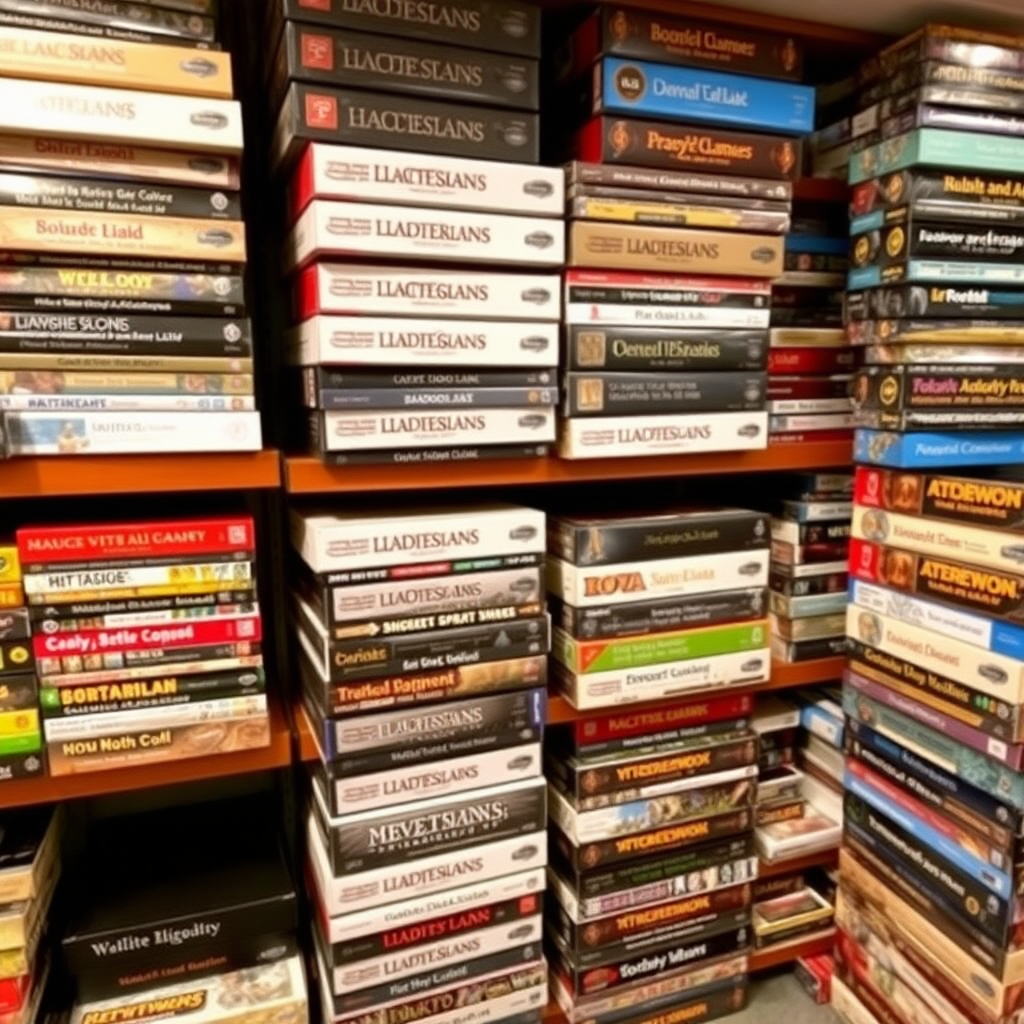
(780, 997)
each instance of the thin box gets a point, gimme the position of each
(121, 115)
(362, 230)
(621, 86)
(933, 450)
(418, 179)
(381, 341)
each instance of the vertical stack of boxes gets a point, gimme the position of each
(29, 869)
(147, 641)
(934, 692)
(810, 544)
(121, 307)
(679, 365)
(21, 732)
(423, 655)
(422, 360)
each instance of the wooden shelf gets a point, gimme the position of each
(304, 475)
(47, 790)
(787, 952)
(307, 748)
(784, 677)
(134, 474)
(821, 859)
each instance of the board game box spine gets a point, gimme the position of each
(391, 176)
(347, 289)
(330, 229)
(320, 113)
(673, 92)
(611, 175)
(680, 433)
(609, 394)
(505, 26)
(659, 145)
(191, 23)
(651, 348)
(115, 63)
(340, 57)
(335, 399)
(121, 115)
(684, 211)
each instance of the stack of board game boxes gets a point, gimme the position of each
(122, 322)
(810, 542)
(935, 686)
(199, 921)
(652, 861)
(21, 734)
(651, 607)
(147, 641)
(810, 359)
(423, 648)
(411, 362)
(29, 869)
(634, 231)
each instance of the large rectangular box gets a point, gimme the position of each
(41, 433)
(332, 229)
(934, 450)
(932, 146)
(634, 394)
(664, 348)
(673, 250)
(937, 302)
(173, 20)
(506, 26)
(52, 57)
(342, 57)
(417, 179)
(121, 115)
(633, 87)
(680, 39)
(351, 289)
(319, 113)
(355, 540)
(672, 434)
(380, 341)
(661, 145)
(358, 431)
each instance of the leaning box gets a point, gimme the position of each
(419, 179)
(365, 230)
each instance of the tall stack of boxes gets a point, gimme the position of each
(671, 257)
(21, 731)
(423, 648)
(421, 360)
(935, 686)
(122, 324)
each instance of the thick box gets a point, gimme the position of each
(658, 208)
(643, 89)
(341, 57)
(658, 348)
(417, 179)
(319, 113)
(673, 250)
(332, 229)
(345, 431)
(933, 450)
(120, 115)
(678, 39)
(174, 18)
(506, 26)
(672, 434)
(628, 394)
(587, 175)
(661, 145)
(347, 289)
(52, 57)
(665, 301)
(940, 302)
(322, 390)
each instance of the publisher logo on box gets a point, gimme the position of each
(322, 112)
(317, 52)
(630, 83)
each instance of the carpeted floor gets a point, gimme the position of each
(779, 997)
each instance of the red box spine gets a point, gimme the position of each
(865, 561)
(809, 360)
(307, 293)
(198, 633)
(678, 716)
(46, 546)
(301, 189)
(13, 992)
(869, 486)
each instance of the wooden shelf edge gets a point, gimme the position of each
(49, 789)
(81, 475)
(305, 743)
(306, 475)
(819, 859)
(784, 677)
(787, 952)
